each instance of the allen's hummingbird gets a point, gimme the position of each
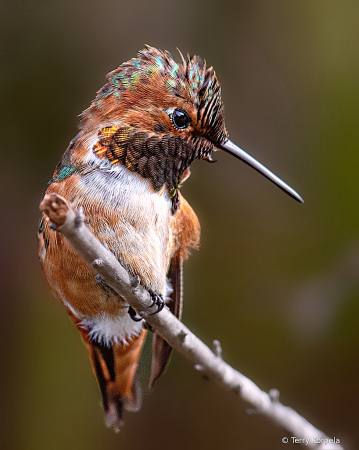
(125, 168)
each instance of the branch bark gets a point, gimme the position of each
(209, 362)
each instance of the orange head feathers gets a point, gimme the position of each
(144, 91)
(156, 116)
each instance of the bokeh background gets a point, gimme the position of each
(275, 281)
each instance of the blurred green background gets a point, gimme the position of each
(275, 281)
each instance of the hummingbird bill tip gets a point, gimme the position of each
(233, 149)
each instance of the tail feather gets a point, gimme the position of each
(116, 371)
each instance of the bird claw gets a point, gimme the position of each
(157, 300)
(133, 315)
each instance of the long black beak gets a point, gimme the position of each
(229, 147)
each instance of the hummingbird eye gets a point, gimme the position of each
(180, 119)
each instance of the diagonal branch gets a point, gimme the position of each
(209, 362)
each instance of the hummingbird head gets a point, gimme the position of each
(156, 116)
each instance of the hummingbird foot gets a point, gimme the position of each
(157, 300)
(133, 315)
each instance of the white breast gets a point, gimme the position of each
(141, 235)
(135, 222)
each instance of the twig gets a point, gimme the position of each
(209, 362)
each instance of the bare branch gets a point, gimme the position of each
(209, 362)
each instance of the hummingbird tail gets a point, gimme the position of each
(117, 375)
(116, 371)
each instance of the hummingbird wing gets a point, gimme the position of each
(187, 232)
(161, 350)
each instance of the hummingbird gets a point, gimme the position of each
(125, 168)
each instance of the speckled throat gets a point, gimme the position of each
(159, 158)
